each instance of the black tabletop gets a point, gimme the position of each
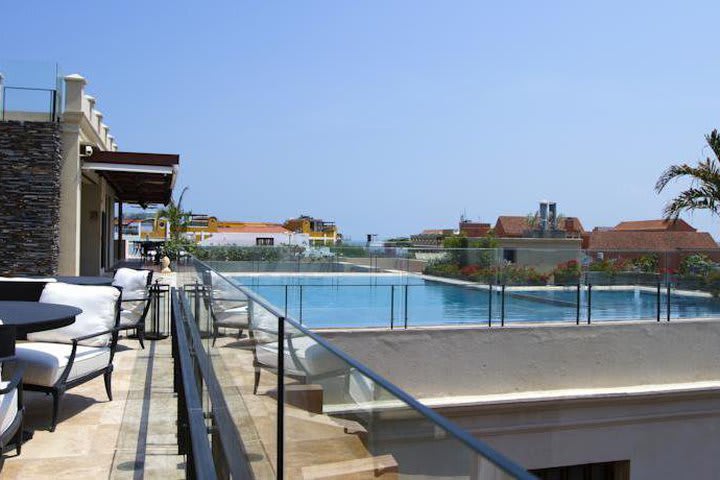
(35, 316)
(85, 280)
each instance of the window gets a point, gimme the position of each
(264, 241)
(510, 255)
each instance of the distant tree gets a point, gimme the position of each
(704, 190)
(178, 220)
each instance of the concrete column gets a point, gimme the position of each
(74, 92)
(71, 177)
(96, 122)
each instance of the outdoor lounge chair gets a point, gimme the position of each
(227, 305)
(305, 360)
(136, 299)
(12, 410)
(60, 359)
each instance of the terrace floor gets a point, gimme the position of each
(131, 437)
(317, 445)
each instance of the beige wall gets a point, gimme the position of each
(664, 433)
(82, 125)
(434, 362)
(543, 254)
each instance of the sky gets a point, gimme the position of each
(390, 117)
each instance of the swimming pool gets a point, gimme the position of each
(358, 300)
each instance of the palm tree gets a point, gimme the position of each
(178, 220)
(704, 190)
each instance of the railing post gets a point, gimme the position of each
(392, 307)
(280, 399)
(301, 303)
(490, 297)
(197, 300)
(406, 306)
(502, 306)
(589, 307)
(577, 305)
(668, 300)
(658, 301)
(286, 300)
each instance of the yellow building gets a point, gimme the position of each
(320, 231)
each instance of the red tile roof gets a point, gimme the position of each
(516, 226)
(651, 240)
(655, 226)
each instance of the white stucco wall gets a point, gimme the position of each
(248, 239)
(434, 362)
(560, 395)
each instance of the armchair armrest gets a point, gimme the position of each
(91, 335)
(16, 378)
(141, 299)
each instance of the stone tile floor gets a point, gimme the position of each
(131, 437)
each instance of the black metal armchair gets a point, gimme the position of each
(52, 368)
(135, 306)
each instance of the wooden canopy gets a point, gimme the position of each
(140, 178)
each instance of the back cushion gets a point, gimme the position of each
(98, 313)
(132, 282)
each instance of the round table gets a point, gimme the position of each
(86, 280)
(30, 317)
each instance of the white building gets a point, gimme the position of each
(255, 235)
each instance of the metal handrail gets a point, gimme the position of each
(498, 459)
(190, 405)
(223, 422)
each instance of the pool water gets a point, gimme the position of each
(321, 301)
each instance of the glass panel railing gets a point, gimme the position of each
(304, 408)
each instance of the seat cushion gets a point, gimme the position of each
(8, 408)
(98, 312)
(45, 362)
(130, 318)
(313, 358)
(232, 319)
(134, 283)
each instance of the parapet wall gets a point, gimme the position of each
(439, 362)
(30, 162)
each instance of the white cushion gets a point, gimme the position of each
(8, 407)
(130, 317)
(131, 281)
(45, 362)
(26, 279)
(313, 358)
(98, 313)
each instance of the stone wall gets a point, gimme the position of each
(30, 163)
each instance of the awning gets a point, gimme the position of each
(141, 178)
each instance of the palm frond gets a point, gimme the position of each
(690, 200)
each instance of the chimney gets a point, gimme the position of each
(543, 215)
(553, 216)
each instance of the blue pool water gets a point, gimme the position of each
(367, 300)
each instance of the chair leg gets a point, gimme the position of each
(257, 380)
(215, 335)
(19, 437)
(108, 384)
(239, 334)
(141, 336)
(57, 396)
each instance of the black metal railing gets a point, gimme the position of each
(293, 298)
(206, 433)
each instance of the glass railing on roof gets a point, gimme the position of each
(304, 409)
(30, 91)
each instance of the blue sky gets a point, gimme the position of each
(393, 116)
